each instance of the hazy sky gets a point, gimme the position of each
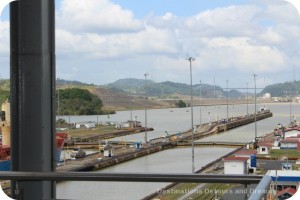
(101, 41)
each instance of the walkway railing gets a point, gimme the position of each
(129, 177)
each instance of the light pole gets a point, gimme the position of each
(130, 105)
(227, 100)
(131, 109)
(290, 100)
(58, 100)
(146, 104)
(247, 100)
(254, 76)
(190, 59)
(200, 102)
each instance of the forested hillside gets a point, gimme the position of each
(283, 89)
(75, 101)
(167, 89)
(4, 90)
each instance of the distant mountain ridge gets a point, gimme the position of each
(207, 91)
(132, 86)
(168, 88)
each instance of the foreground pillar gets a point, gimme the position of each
(32, 94)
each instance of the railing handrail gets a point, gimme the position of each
(129, 177)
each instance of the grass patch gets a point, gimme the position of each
(177, 191)
(284, 152)
(83, 132)
(208, 191)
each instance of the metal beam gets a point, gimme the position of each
(130, 177)
(32, 78)
(261, 189)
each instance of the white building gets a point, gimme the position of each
(264, 148)
(283, 180)
(129, 124)
(289, 143)
(108, 151)
(267, 96)
(85, 124)
(251, 155)
(235, 165)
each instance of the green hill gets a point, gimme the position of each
(168, 88)
(77, 98)
(75, 101)
(283, 89)
(4, 90)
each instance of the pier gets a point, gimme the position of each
(94, 162)
(205, 130)
(225, 144)
(106, 136)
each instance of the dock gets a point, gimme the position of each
(118, 133)
(205, 130)
(92, 162)
(224, 144)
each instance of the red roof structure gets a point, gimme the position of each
(290, 140)
(236, 159)
(290, 191)
(265, 144)
(246, 152)
(296, 136)
(296, 128)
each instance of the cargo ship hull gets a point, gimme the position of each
(5, 162)
(5, 165)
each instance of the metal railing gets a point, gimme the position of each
(262, 181)
(261, 188)
(129, 177)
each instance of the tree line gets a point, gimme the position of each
(75, 101)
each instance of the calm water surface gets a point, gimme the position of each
(168, 161)
(175, 160)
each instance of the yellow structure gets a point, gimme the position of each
(5, 125)
(6, 109)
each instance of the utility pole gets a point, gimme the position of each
(291, 99)
(131, 104)
(146, 105)
(255, 109)
(200, 102)
(227, 100)
(190, 59)
(247, 101)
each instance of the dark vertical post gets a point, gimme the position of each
(227, 101)
(32, 94)
(146, 105)
(255, 109)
